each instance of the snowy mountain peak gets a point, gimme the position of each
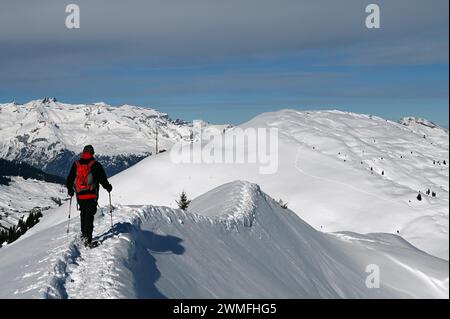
(49, 100)
(48, 134)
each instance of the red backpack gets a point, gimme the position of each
(85, 185)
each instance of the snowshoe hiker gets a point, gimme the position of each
(84, 179)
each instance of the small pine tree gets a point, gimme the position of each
(282, 204)
(444, 162)
(382, 173)
(29, 221)
(419, 197)
(183, 203)
(3, 236)
(433, 194)
(21, 226)
(12, 234)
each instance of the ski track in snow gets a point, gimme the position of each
(80, 272)
(92, 273)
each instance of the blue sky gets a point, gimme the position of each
(229, 61)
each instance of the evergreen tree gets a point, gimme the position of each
(21, 227)
(183, 203)
(3, 236)
(29, 221)
(419, 197)
(14, 232)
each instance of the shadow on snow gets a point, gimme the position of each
(140, 259)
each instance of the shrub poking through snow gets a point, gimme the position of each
(184, 202)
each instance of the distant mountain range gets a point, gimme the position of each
(49, 135)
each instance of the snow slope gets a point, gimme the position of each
(324, 173)
(25, 195)
(243, 246)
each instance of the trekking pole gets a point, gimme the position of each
(68, 223)
(110, 211)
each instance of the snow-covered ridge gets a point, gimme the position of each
(339, 170)
(160, 252)
(411, 120)
(232, 203)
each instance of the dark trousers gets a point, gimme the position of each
(88, 208)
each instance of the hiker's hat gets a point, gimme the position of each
(88, 149)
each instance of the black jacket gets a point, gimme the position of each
(97, 172)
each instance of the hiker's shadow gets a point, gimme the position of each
(141, 259)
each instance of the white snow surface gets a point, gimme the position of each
(324, 173)
(24, 195)
(243, 246)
